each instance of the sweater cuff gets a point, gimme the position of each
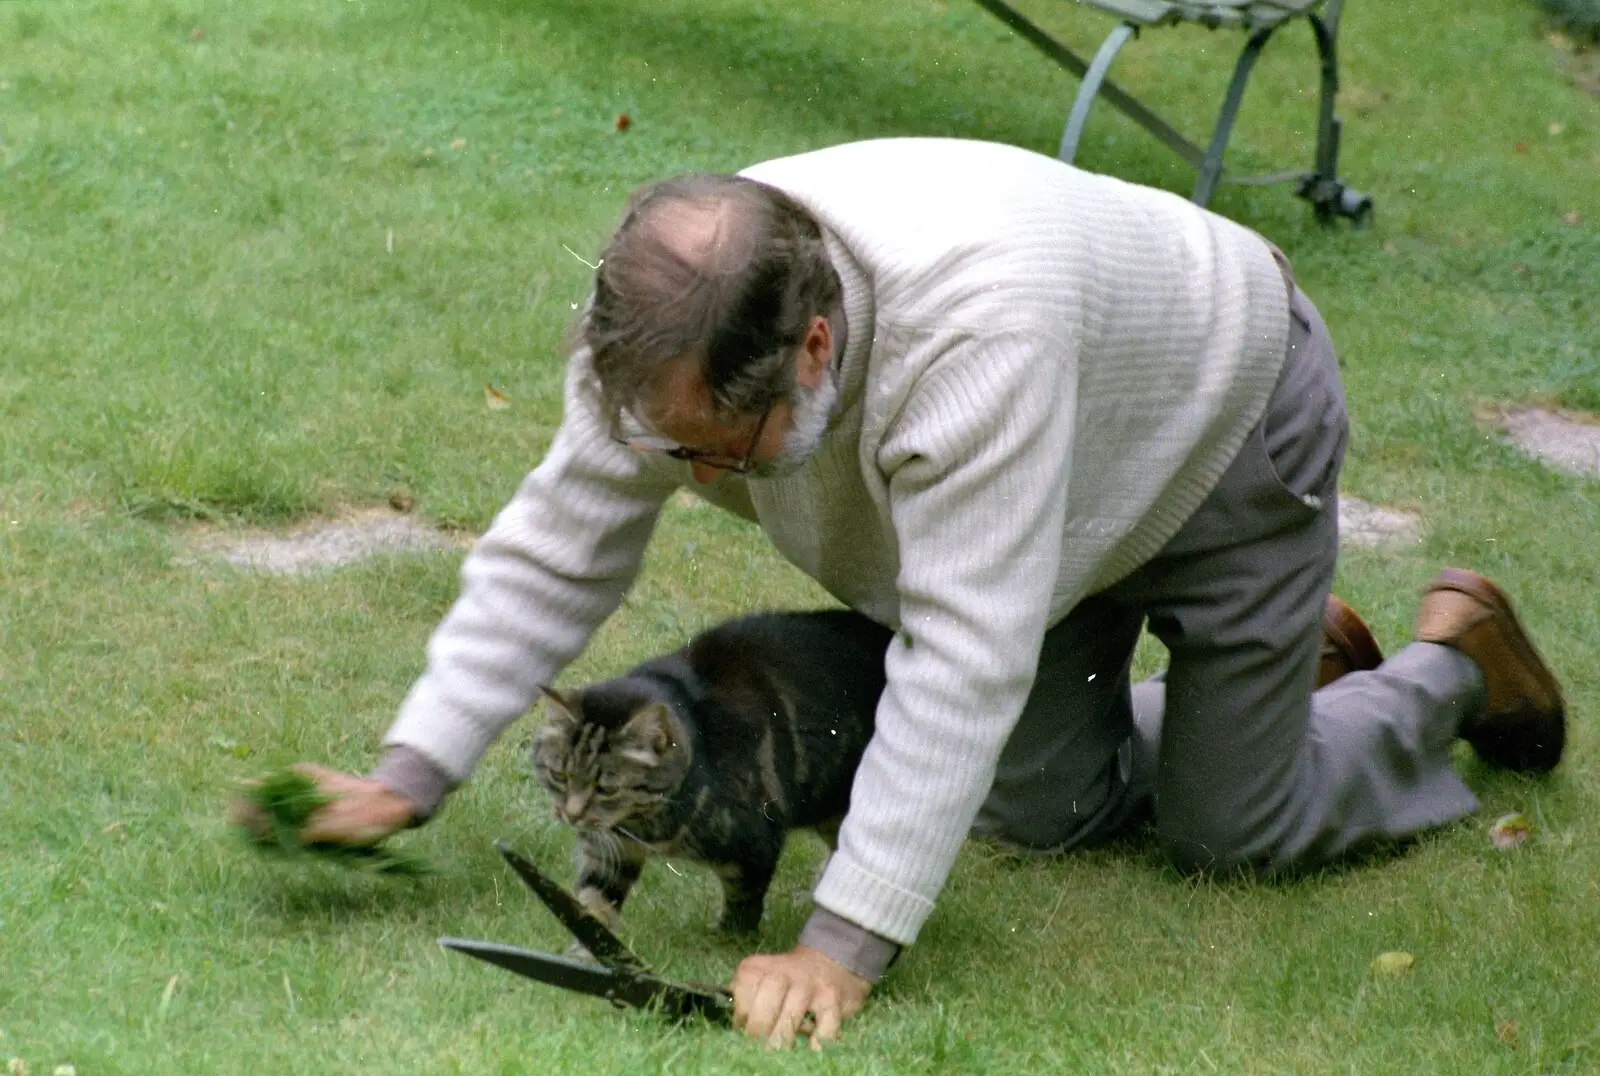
(852, 947)
(850, 890)
(441, 729)
(413, 775)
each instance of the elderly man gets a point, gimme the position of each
(1017, 412)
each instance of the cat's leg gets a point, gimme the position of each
(608, 866)
(744, 892)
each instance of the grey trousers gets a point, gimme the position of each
(1234, 755)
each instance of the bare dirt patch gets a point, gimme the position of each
(326, 543)
(1565, 440)
(331, 543)
(1371, 526)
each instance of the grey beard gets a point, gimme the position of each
(811, 411)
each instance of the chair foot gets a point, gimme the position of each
(1330, 198)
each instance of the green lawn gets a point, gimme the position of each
(257, 262)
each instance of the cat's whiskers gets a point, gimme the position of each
(605, 851)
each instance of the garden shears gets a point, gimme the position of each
(617, 975)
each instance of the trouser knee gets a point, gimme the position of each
(1198, 845)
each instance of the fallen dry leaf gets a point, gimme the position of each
(1509, 831)
(1520, 147)
(459, 144)
(401, 501)
(1574, 218)
(624, 121)
(494, 399)
(1554, 129)
(1393, 965)
(197, 34)
(16, 1067)
(1505, 1032)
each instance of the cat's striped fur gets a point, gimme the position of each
(714, 753)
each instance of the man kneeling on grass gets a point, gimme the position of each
(1016, 412)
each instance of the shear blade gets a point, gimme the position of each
(594, 936)
(623, 988)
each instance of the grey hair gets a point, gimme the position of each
(719, 267)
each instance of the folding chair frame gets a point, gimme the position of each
(1328, 195)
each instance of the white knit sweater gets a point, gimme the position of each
(1046, 372)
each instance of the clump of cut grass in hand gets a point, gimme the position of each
(273, 811)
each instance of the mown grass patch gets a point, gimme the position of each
(264, 270)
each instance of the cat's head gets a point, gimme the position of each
(606, 762)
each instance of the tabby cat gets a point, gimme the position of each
(714, 753)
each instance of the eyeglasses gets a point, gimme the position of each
(641, 441)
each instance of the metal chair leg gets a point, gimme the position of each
(1110, 92)
(1079, 118)
(1327, 159)
(1211, 168)
(1326, 192)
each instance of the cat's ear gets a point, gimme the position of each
(651, 734)
(562, 708)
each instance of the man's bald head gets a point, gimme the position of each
(720, 268)
(708, 233)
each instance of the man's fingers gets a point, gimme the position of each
(247, 815)
(330, 782)
(766, 1006)
(331, 825)
(362, 821)
(829, 1020)
(779, 995)
(850, 1004)
(746, 978)
(796, 1005)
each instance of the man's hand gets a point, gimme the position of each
(773, 993)
(363, 811)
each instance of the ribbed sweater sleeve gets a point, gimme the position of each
(978, 481)
(555, 563)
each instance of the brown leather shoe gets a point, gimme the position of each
(1523, 725)
(1347, 645)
